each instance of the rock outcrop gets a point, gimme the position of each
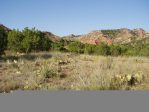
(114, 36)
(95, 38)
(126, 35)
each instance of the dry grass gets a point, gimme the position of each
(99, 72)
(65, 71)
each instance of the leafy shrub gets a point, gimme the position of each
(115, 50)
(60, 45)
(89, 49)
(102, 49)
(76, 47)
(145, 50)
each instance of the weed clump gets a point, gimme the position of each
(48, 72)
(119, 82)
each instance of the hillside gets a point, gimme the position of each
(114, 36)
(110, 36)
(71, 37)
(125, 35)
(51, 36)
(95, 37)
(5, 28)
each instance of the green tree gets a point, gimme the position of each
(3, 40)
(28, 40)
(15, 38)
(31, 41)
(45, 43)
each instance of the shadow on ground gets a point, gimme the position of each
(29, 57)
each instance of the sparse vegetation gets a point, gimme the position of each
(66, 71)
(110, 33)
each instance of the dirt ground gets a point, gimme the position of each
(67, 71)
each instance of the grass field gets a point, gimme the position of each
(66, 71)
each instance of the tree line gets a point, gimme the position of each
(138, 49)
(27, 40)
(33, 40)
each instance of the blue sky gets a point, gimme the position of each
(64, 17)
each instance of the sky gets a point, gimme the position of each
(64, 17)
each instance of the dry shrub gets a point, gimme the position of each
(102, 74)
(10, 86)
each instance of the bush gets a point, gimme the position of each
(48, 72)
(102, 49)
(60, 45)
(145, 50)
(76, 47)
(56, 46)
(3, 40)
(89, 49)
(138, 49)
(115, 50)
